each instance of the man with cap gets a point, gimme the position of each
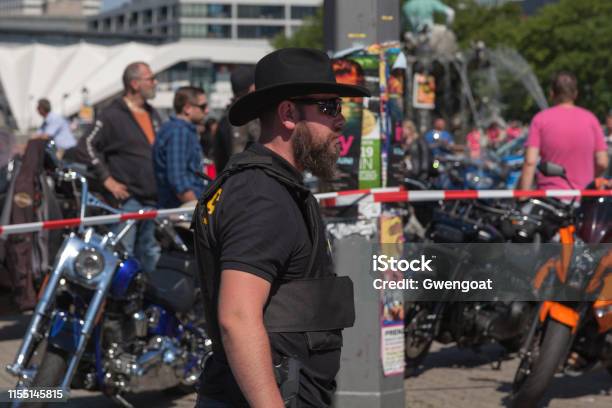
(274, 307)
(230, 139)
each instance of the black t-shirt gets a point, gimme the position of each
(260, 229)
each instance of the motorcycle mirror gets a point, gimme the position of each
(550, 169)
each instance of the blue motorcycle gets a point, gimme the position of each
(103, 324)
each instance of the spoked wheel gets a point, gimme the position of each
(536, 370)
(417, 341)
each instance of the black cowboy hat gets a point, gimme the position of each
(287, 73)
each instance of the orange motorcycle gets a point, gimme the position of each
(574, 334)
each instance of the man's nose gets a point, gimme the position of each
(340, 121)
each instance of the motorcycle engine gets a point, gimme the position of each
(158, 366)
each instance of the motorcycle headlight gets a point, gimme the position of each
(89, 263)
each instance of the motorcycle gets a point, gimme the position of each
(474, 323)
(103, 324)
(571, 336)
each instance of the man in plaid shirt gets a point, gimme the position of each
(177, 155)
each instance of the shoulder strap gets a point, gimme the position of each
(248, 160)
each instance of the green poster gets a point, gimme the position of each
(369, 162)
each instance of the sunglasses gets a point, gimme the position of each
(202, 106)
(331, 107)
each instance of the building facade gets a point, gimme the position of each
(49, 7)
(220, 19)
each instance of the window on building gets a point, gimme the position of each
(206, 10)
(301, 12)
(219, 31)
(162, 15)
(94, 25)
(219, 10)
(148, 17)
(133, 19)
(107, 24)
(274, 12)
(206, 30)
(120, 22)
(252, 31)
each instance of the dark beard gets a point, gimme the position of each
(319, 159)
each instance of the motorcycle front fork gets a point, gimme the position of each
(526, 350)
(34, 333)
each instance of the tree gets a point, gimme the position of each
(568, 35)
(309, 35)
(573, 36)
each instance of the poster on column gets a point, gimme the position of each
(396, 167)
(349, 72)
(424, 91)
(370, 161)
(392, 301)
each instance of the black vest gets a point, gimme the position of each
(320, 301)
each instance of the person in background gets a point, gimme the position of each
(495, 134)
(417, 159)
(208, 132)
(119, 150)
(608, 134)
(177, 155)
(567, 135)
(233, 139)
(514, 130)
(474, 139)
(54, 127)
(439, 139)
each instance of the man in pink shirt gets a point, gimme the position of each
(566, 135)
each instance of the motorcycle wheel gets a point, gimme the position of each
(50, 372)
(416, 345)
(529, 389)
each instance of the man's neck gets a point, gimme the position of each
(134, 101)
(283, 149)
(566, 103)
(183, 117)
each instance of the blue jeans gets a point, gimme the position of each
(205, 402)
(140, 240)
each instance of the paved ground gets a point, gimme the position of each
(460, 378)
(449, 378)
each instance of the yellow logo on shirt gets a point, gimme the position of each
(210, 205)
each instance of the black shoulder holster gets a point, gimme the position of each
(318, 302)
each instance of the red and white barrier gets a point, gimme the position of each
(336, 199)
(97, 220)
(350, 197)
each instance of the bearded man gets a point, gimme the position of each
(274, 307)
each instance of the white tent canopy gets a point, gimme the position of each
(59, 73)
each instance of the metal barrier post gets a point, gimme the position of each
(361, 383)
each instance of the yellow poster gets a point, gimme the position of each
(424, 91)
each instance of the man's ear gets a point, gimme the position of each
(187, 109)
(288, 114)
